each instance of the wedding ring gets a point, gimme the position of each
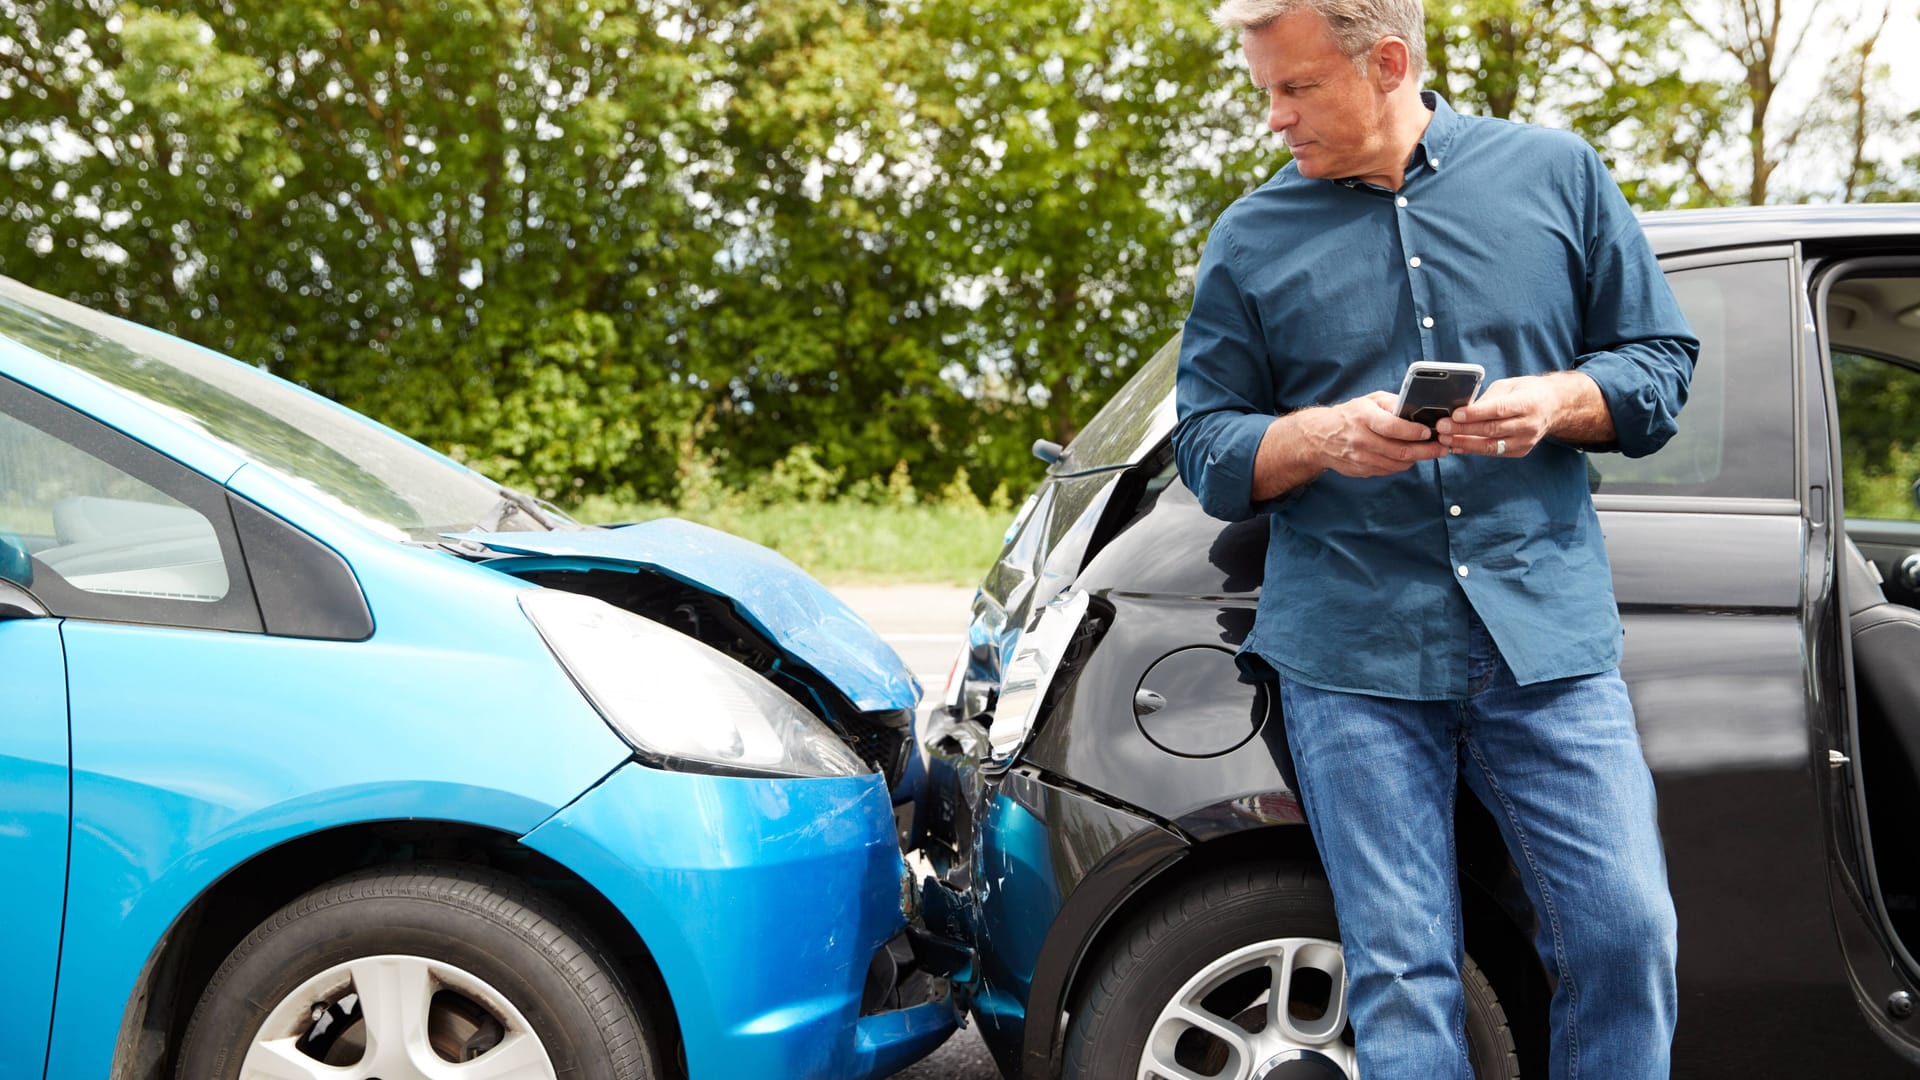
(1500, 446)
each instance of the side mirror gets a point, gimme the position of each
(1916, 491)
(15, 565)
(18, 603)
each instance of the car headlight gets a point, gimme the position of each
(679, 700)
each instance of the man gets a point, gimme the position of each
(1440, 606)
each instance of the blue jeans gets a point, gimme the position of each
(1558, 764)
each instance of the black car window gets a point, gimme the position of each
(1120, 430)
(1736, 431)
(100, 527)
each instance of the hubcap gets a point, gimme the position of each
(1274, 1010)
(395, 1018)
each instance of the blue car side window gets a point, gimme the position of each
(100, 530)
(97, 527)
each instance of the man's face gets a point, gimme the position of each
(1332, 117)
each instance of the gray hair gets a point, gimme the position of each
(1355, 24)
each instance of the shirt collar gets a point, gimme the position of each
(1441, 128)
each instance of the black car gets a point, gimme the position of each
(1104, 799)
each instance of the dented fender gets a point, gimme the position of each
(778, 599)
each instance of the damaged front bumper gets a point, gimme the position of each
(775, 910)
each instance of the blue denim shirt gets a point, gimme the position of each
(1508, 246)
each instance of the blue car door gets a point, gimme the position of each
(33, 836)
(101, 538)
(34, 816)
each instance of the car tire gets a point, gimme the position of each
(456, 962)
(1191, 979)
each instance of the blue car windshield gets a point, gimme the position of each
(371, 472)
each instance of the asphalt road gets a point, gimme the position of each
(926, 625)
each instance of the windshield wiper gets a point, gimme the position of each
(519, 502)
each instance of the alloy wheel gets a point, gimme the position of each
(395, 1017)
(1272, 1010)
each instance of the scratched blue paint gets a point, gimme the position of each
(1014, 860)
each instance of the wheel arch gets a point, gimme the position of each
(207, 930)
(1499, 938)
(1044, 1034)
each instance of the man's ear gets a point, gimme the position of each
(1394, 62)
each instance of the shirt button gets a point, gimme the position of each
(1401, 201)
(1427, 322)
(1414, 262)
(1463, 571)
(1455, 511)
(1435, 162)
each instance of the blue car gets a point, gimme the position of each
(321, 755)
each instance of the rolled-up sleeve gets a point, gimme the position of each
(1223, 393)
(1636, 345)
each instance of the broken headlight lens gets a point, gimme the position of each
(679, 700)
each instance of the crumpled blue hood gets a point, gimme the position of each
(776, 597)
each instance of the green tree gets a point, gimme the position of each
(1608, 69)
(824, 326)
(621, 246)
(402, 206)
(1855, 114)
(1766, 41)
(1086, 150)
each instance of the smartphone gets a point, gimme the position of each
(1433, 389)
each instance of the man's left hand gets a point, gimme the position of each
(1512, 416)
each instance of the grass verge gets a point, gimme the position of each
(846, 542)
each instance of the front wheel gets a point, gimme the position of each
(424, 973)
(1239, 974)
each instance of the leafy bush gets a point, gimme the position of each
(879, 529)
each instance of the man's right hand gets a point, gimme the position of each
(1361, 437)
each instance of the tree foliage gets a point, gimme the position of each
(1088, 148)
(1768, 42)
(441, 213)
(604, 247)
(1608, 69)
